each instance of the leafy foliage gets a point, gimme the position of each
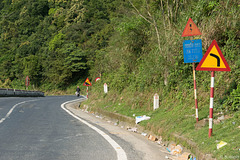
(233, 101)
(133, 43)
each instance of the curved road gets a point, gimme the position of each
(39, 129)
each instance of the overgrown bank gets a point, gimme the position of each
(139, 64)
(175, 119)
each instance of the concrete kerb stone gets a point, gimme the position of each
(20, 93)
(128, 122)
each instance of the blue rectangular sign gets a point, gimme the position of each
(192, 50)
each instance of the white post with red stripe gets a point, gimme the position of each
(87, 92)
(211, 105)
(155, 101)
(105, 88)
(195, 91)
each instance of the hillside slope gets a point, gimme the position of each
(137, 49)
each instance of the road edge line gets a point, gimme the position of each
(11, 110)
(121, 155)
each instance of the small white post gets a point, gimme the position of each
(105, 88)
(155, 101)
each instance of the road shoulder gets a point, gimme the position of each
(148, 149)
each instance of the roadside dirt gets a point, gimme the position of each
(150, 145)
(151, 150)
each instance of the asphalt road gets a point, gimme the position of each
(39, 129)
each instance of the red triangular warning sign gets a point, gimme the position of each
(87, 83)
(191, 29)
(213, 60)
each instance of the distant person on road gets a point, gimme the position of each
(78, 91)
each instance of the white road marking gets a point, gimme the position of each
(121, 155)
(11, 110)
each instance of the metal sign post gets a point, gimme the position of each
(211, 105)
(195, 91)
(87, 92)
(192, 51)
(213, 60)
(27, 82)
(87, 83)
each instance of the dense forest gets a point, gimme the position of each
(134, 44)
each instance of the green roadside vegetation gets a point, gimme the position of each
(136, 47)
(175, 116)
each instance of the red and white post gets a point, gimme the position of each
(211, 105)
(195, 91)
(105, 88)
(87, 92)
